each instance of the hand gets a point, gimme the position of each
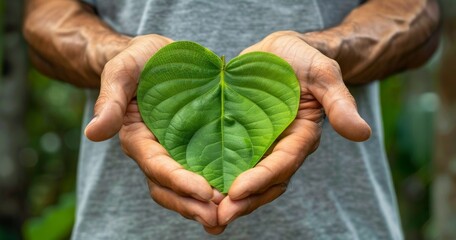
(322, 88)
(170, 185)
(118, 85)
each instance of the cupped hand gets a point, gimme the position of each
(322, 92)
(170, 185)
(119, 81)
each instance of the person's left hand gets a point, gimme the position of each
(322, 91)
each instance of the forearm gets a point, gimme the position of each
(67, 41)
(380, 38)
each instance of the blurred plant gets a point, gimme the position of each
(2, 30)
(444, 184)
(409, 104)
(55, 222)
(53, 123)
(12, 111)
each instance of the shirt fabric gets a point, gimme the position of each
(342, 191)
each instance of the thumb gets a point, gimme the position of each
(345, 119)
(339, 104)
(118, 87)
(119, 81)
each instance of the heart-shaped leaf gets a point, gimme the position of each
(214, 119)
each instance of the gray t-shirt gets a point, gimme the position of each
(342, 191)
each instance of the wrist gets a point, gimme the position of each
(378, 39)
(73, 47)
(341, 44)
(326, 41)
(102, 48)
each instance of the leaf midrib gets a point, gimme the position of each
(179, 58)
(222, 117)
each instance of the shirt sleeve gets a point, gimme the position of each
(91, 2)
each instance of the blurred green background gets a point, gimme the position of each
(40, 132)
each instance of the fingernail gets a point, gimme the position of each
(201, 197)
(94, 119)
(217, 196)
(205, 196)
(227, 220)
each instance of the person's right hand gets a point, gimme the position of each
(116, 110)
(170, 185)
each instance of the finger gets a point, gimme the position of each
(217, 196)
(118, 86)
(139, 143)
(329, 89)
(230, 209)
(132, 114)
(203, 212)
(253, 48)
(269, 43)
(215, 230)
(300, 139)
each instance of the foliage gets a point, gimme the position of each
(2, 44)
(215, 119)
(53, 123)
(408, 106)
(55, 222)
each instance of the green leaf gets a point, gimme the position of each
(214, 119)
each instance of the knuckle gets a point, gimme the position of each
(147, 169)
(124, 143)
(100, 102)
(151, 42)
(177, 179)
(185, 215)
(283, 187)
(333, 65)
(251, 206)
(112, 64)
(150, 166)
(186, 212)
(191, 213)
(282, 33)
(327, 65)
(139, 38)
(122, 69)
(153, 167)
(171, 201)
(285, 44)
(152, 191)
(278, 41)
(327, 69)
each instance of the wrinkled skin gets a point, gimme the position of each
(375, 40)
